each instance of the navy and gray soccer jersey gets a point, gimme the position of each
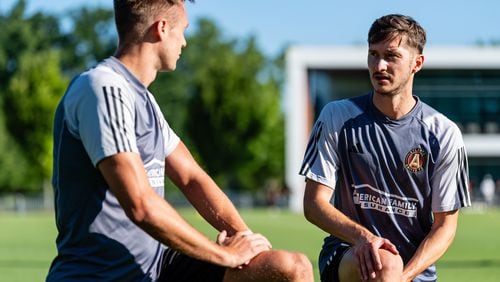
(388, 175)
(105, 111)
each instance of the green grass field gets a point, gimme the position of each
(27, 243)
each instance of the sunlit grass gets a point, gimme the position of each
(27, 242)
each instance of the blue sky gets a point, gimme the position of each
(276, 23)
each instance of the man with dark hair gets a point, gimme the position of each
(112, 148)
(386, 173)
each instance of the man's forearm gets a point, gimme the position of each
(128, 182)
(321, 213)
(202, 192)
(162, 222)
(214, 206)
(434, 245)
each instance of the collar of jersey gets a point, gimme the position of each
(385, 119)
(121, 69)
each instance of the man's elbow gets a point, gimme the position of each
(451, 235)
(137, 215)
(137, 212)
(310, 212)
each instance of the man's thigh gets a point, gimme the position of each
(181, 268)
(273, 265)
(348, 267)
(335, 259)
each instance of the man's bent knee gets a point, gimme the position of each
(275, 266)
(392, 267)
(303, 268)
(293, 266)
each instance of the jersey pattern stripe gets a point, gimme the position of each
(115, 109)
(312, 151)
(462, 181)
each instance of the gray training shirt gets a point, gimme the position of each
(105, 111)
(388, 175)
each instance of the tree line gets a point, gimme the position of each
(223, 100)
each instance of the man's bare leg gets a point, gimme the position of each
(274, 266)
(392, 267)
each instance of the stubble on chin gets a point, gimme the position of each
(383, 91)
(391, 90)
(386, 93)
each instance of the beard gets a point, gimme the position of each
(389, 93)
(393, 88)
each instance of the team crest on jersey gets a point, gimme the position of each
(415, 160)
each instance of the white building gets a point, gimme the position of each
(461, 82)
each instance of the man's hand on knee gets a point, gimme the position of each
(242, 247)
(366, 252)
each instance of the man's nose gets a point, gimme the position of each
(381, 65)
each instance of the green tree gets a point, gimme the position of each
(34, 51)
(21, 38)
(13, 164)
(88, 36)
(223, 100)
(30, 100)
(91, 38)
(21, 34)
(233, 117)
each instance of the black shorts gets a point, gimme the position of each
(179, 268)
(331, 271)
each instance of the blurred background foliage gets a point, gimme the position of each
(223, 100)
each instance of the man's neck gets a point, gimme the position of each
(394, 106)
(139, 63)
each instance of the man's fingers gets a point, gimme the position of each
(362, 267)
(375, 257)
(245, 246)
(391, 247)
(244, 233)
(368, 255)
(370, 263)
(221, 237)
(258, 239)
(366, 265)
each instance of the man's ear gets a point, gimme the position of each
(419, 62)
(160, 27)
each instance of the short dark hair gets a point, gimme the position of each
(390, 26)
(132, 16)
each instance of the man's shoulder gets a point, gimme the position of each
(97, 86)
(101, 74)
(435, 119)
(346, 108)
(443, 128)
(95, 80)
